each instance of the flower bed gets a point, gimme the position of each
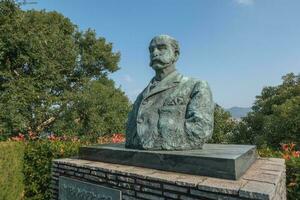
(292, 161)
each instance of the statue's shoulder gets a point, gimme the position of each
(139, 97)
(199, 91)
(195, 83)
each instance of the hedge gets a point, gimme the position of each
(11, 164)
(37, 165)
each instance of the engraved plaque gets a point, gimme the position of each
(73, 189)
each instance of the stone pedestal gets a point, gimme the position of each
(214, 160)
(265, 179)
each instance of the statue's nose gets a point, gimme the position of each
(155, 52)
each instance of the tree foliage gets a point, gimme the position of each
(276, 115)
(100, 108)
(224, 125)
(47, 68)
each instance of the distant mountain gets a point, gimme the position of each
(238, 112)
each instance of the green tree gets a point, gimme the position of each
(100, 109)
(46, 66)
(224, 126)
(276, 115)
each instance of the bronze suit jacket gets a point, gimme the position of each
(177, 114)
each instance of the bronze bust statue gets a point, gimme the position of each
(173, 112)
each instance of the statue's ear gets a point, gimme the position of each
(176, 55)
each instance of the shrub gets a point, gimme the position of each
(293, 178)
(37, 164)
(11, 177)
(39, 154)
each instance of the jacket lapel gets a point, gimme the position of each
(169, 82)
(146, 90)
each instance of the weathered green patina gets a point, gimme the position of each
(173, 112)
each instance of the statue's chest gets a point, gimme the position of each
(176, 96)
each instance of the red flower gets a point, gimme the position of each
(52, 137)
(118, 138)
(286, 157)
(20, 137)
(32, 135)
(285, 147)
(296, 154)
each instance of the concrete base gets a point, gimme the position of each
(214, 160)
(265, 179)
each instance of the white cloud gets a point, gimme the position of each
(245, 2)
(127, 78)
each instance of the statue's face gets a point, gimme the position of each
(162, 54)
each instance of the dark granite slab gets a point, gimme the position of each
(214, 160)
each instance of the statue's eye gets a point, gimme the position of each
(162, 47)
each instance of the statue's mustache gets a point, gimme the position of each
(157, 60)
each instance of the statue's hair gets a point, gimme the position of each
(174, 42)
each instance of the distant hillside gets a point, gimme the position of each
(238, 112)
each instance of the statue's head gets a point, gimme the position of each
(164, 52)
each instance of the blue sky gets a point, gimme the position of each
(238, 46)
